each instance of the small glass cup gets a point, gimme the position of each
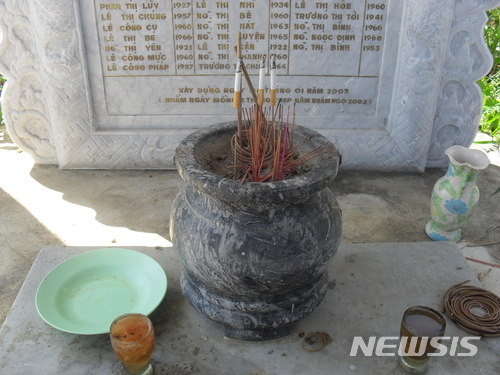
(419, 326)
(132, 338)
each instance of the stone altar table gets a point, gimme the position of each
(371, 285)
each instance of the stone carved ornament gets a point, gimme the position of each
(460, 99)
(47, 114)
(24, 105)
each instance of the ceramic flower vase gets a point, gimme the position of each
(455, 195)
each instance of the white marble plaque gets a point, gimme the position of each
(119, 83)
(335, 60)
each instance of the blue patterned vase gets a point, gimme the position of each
(455, 195)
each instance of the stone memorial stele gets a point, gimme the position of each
(119, 83)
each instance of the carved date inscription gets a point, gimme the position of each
(177, 56)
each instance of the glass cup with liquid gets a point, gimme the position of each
(132, 338)
(419, 326)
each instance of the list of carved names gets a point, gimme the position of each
(328, 53)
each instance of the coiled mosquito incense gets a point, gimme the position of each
(459, 303)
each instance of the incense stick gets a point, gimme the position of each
(247, 78)
(238, 45)
(285, 136)
(237, 84)
(264, 146)
(273, 80)
(262, 73)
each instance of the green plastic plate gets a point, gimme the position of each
(85, 293)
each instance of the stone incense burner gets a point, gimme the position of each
(254, 255)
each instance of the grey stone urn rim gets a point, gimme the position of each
(292, 189)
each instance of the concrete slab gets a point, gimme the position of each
(371, 285)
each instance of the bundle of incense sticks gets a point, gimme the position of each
(242, 71)
(263, 148)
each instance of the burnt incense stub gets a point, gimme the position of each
(254, 254)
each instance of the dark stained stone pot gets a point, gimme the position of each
(254, 255)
